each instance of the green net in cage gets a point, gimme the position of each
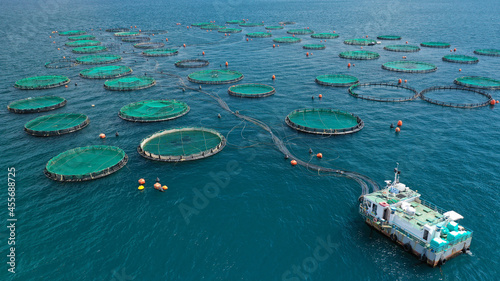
(324, 121)
(153, 110)
(336, 80)
(389, 37)
(460, 59)
(304, 31)
(230, 30)
(435, 44)
(409, 66)
(287, 39)
(488, 52)
(274, 27)
(478, 82)
(72, 32)
(359, 55)
(251, 24)
(136, 39)
(160, 52)
(127, 33)
(200, 24)
(219, 76)
(149, 45)
(106, 72)
(89, 49)
(324, 35)
(56, 124)
(36, 104)
(129, 83)
(98, 59)
(251, 90)
(259, 34)
(235, 21)
(41, 82)
(402, 48)
(360, 42)
(82, 37)
(314, 46)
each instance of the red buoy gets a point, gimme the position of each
(398, 130)
(293, 162)
(274, 77)
(492, 102)
(400, 123)
(142, 181)
(319, 155)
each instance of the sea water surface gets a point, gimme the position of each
(267, 218)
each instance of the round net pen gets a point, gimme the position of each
(106, 72)
(407, 93)
(153, 110)
(323, 121)
(427, 91)
(409, 66)
(212, 27)
(478, 82)
(230, 30)
(359, 55)
(402, 48)
(83, 43)
(98, 59)
(259, 35)
(56, 124)
(127, 33)
(250, 24)
(488, 52)
(36, 104)
(89, 49)
(300, 31)
(85, 163)
(160, 52)
(274, 27)
(314, 47)
(117, 29)
(149, 45)
(389, 37)
(460, 59)
(286, 22)
(154, 31)
(130, 83)
(136, 39)
(287, 39)
(41, 82)
(72, 32)
(185, 144)
(251, 90)
(435, 44)
(61, 63)
(360, 42)
(336, 80)
(235, 21)
(194, 63)
(215, 76)
(200, 24)
(324, 35)
(81, 37)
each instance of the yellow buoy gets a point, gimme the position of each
(141, 187)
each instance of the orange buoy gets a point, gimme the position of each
(64, 58)
(406, 81)
(157, 185)
(274, 77)
(227, 64)
(102, 136)
(366, 36)
(492, 102)
(361, 47)
(166, 39)
(293, 162)
(334, 31)
(184, 45)
(53, 42)
(454, 50)
(293, 35)
(142, 181)
(400, 81)
(225, 34)
(203, 53)
(404, 57)
(349, 65)
(50, 36)
(247, 39)
(274, 45)
(406, 42)
(320, 96)
(451, 51)
(498, 101)
(459, 69)
(400, 123)
(319, 155)
(165, 187)
(58, 49)
(65, 86)
(307, 54)
(278, 45)
(135, 26)
(398, 130)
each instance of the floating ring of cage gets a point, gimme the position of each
(402, 48)
(106, 72)
(130, 83)
(235, 21)
(200, 24)
(36, 104)
(435, 44)
(359, 55)
(153, 110)
(56, 124)
(324, 35)
(478, 82)
(314, 46)
(251, 24)
(127, 33)
(160, 52)
(230, 30)
(83, 43)
(98, 59)
(360, 42)
(286, 22)
(85, 163)
(72, 32)
(324, 121)
(460, 59)
(300, 31)
(41, 82)
(424, 96)
(149, 45)
(259, 35)
(136, 39)
(219, 76)
(287, 39)
(154, 31)
(212, 27)
(182, 144)
(81, 37)
(194, 63)
(117, 29)
(409, 66)
(336, 80)
(89, 49)
(251, 90)
(61, 63)
(488, 52)
(394, 88)
(274, 27)
(389, 37)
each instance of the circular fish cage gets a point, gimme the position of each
(259, 35)
(127, 33)
(98, 59)
(435, 44)
(325, 35)
(300, 31)
(274, 27)
(56, 124)
(149, 45)
(488, 52)
(184, 144)
(215, 76)
(336, 80)
(212, 27)
(41, 82)
(160, 52)
(36, 104)
(154, 31)
(324, 121)
(194, 63)
(314, 47)
(389, 37)
(460, 59)
(409, 66)
(470, 104)
(61, 63)
(230, 30)
(153, 110)
(129, 83)
(136, 39)
(235, 21)
(251, 24)
(286, 22)
(81, 37)
(72, 32)
(287, 39)
(360, 42)
(85, 163)
(478, 82)
(394, 93)
(251, 90)
(200, 24)
(83, 43)
(106, 72)
(117, 29)
(89, 49)
(359, 55)
(402, 48)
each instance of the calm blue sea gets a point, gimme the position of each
(267, 218)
